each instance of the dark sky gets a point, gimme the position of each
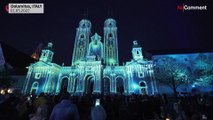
(157, 24)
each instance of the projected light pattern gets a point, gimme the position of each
(95, 67)
(187, 70)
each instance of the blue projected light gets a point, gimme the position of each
(186, 70)
(135, 86)
(193, 86)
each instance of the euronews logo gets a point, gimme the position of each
(191, 7)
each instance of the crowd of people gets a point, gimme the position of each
(111, 107)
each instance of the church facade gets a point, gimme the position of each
(95, 67)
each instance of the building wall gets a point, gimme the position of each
(104, 79)
(94, 72)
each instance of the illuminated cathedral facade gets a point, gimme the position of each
(95, 67)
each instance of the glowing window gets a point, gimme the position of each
(140, 74)
(37, 75)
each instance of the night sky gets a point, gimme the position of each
(156, 24)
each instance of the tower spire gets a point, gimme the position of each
(47, 53)
(81, 41)
(137, 51)
(110, 43)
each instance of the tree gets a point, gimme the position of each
(203, 69)
(170, 72)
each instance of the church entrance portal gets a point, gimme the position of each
(106, 85)
(34, 88)
(75, 85)
(143, 88)
(119, 85)
(64, 84)
(89, 84)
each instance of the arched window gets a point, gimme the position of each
(82, 36)
(64, 84)
(75, 85)
(83, 25)
(50, 55)
(119, 85)
(34, 88)
(110, 35)
(142, 84)
(89, 84)
(143, 87)
(106, 85)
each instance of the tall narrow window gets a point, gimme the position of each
(110, 35)
(34, 88)
(137, 52)
(82, 36)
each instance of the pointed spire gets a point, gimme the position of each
(47, 53)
